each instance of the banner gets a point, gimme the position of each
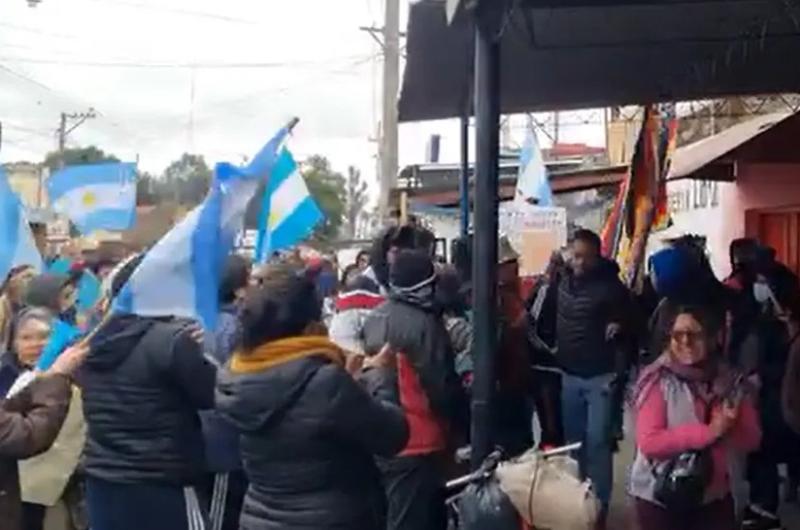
(535, 232)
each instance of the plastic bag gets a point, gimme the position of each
(548, 493)
(484, 506)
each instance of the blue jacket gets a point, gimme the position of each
(222, 439)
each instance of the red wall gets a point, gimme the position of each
(760, 189)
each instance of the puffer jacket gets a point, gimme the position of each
(29, 422)
(143, 382)
(586, 306)
(425, 382)
(309, 433)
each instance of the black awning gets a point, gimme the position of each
(612, 53)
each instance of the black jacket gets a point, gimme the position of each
(143, 382)
(586, 306)
(309, 433)
(420, 334)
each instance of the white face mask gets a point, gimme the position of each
(762, 292)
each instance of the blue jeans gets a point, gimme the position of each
(586, 407)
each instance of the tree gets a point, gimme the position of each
(327, 187)
(146, 189)
(355, 200)
(185, 181)
(78, 156)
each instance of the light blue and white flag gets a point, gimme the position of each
(17, 245)
(288, 212)
(96, 196)
(533, 187)
(180, 275)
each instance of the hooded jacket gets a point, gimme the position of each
(587, 304)
(425, 382)
(308, 436)
(143, 382)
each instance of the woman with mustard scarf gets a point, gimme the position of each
(308, 429)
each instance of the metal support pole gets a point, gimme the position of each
(484, 256)
(464, 181)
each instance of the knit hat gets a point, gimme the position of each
(411, 269)
(671, 268)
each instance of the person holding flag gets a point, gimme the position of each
(146, 377)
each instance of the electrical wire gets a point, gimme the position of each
(178, 11)
(178, 65)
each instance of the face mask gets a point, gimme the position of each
(761, 292)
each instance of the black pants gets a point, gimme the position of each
(33, 516)
(223, 495)
(143, 506)
(415, 493)
(762, 473)
(547, 399)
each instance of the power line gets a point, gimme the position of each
(180, 65)
(178, 11)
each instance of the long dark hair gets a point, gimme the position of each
(284, 305)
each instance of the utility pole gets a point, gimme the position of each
(65, 128)
(390, 43)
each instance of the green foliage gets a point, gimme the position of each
(329, 190)
(185, 181)
(78, 156)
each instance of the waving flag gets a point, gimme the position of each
(288, 212)
(532, 184)
(17, 246)
(641, 204)
(180, 275)
(95, 197)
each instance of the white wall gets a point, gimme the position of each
(697, 207)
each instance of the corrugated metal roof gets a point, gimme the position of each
(693, 157)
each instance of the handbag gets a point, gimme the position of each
(681, 482)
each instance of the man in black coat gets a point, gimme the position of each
(424, 383)
(591, 318)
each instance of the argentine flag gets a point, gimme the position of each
(532, 184)
(288, 212)
(17, 246)
(96, 196)
(180, 275)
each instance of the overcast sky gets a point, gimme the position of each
(128, 59)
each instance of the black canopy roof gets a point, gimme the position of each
(579, 53)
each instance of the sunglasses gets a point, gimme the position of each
(687, 336)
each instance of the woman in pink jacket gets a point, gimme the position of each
(688, 400)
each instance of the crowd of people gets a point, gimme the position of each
(339, 401)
